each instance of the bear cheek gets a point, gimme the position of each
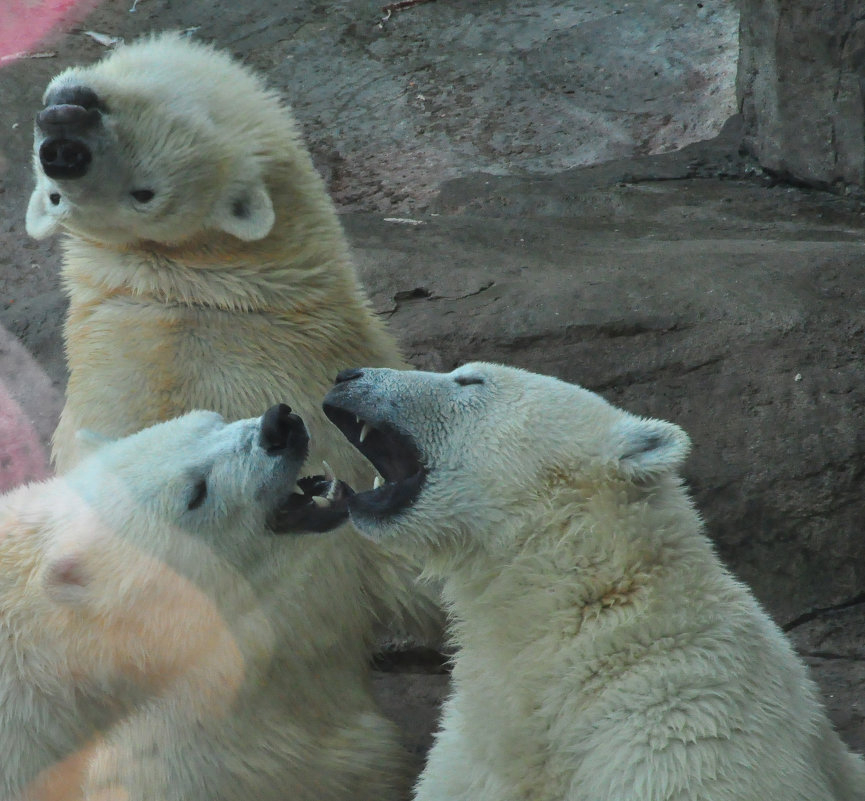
(66, 580)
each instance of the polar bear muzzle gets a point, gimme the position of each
(393, 453)
(72, 112)
(321, 502)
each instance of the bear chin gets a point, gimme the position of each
(394, 454)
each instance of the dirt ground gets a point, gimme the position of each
(475, 119)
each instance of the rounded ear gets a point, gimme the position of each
(39, 222)
(646, 448)
(245, 210)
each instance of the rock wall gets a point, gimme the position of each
(727, 307)
(800, 87)
(730, 307)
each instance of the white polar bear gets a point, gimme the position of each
(204, 262)
(604, 652)
(158, 642)
(206, 268)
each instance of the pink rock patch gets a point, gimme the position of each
(24, 24)
(22, 457)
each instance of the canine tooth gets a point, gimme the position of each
(364, 431)
(319, 501)
(331, 492)
(377, 482)
(328, 471)
(298, 489)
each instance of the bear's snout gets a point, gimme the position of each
(74, 95)
(282, 430)
(71, 113)
(349, 374)
(64, 158)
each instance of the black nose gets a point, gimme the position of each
(281, 430)
(348, 375)
(64, 158)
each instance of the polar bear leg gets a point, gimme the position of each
(453, 773)
(201, 740)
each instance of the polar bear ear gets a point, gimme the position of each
(39, 221)
(647, 448)
(245, 211)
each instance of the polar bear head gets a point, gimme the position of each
(465, 455)
(223, 483)
(194, 481)
(160, 141)
(152, 551)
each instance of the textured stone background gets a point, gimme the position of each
(683, 283)
(801, 85)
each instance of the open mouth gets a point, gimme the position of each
(319, 503)
(394, 455)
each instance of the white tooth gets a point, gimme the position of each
(319, 501)
(328, 471)
(298, 490)
(364, 431)
(357, 419)
(377, 482)
(331, 492)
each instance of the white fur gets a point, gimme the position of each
(231, 289)
(604, 653)
(152, 651)
(178, 303)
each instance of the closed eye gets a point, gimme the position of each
(199, 495)
(143, 195)
(468, 380)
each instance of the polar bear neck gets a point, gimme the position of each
(288, 270)
(582, 564)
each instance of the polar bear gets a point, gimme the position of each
(204, 262)
(604, 652)
(152, 647)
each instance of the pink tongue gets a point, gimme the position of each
(26, 24)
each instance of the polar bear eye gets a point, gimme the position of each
(199, 494)
(469, 379)
(143, 195)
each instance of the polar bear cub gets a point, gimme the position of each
(604, 652)
(157, 642)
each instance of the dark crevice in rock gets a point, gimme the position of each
(422, 293)
(828, 655)
(813, 614)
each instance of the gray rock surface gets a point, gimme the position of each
(684, 285)
(731, 307)
(390, 109)
(800, 87)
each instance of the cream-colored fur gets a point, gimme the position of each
(604, 652)
(230, 289)
(169, 311)
(156, 651)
